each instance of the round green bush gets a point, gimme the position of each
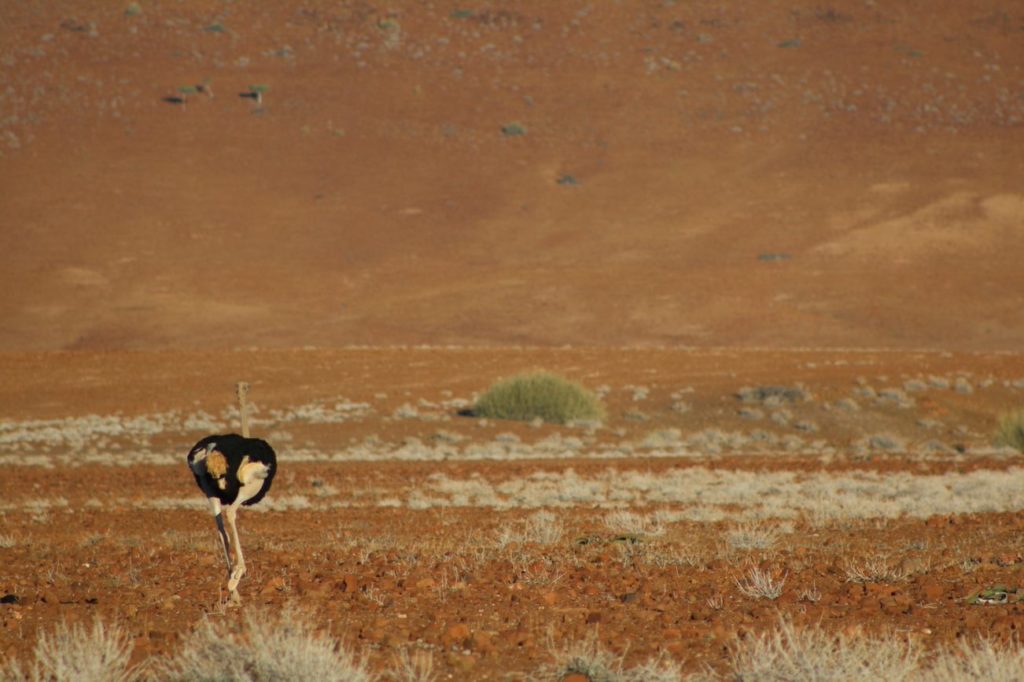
(543, 395)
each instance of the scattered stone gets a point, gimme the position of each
(10, 599)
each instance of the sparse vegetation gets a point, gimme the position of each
(268, 648)
(543, 528)
(875, 570)
(78, 654)
(790, 653)
(588, 658)
(759, 584)
(539, 395)
(1010, 432)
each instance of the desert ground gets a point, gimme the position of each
(781, 242)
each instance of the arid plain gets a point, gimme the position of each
(782, 242)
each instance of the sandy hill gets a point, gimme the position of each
(536, 172)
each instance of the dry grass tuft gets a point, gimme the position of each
(417, 667)
(758, 584)
(979, 662)
(1011, 430)
(77, 654)
(542, 528)
(587, 657)
(788, 653)
(268, 648)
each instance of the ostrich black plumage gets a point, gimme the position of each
(232, 471)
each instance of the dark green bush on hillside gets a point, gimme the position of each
(531, 395)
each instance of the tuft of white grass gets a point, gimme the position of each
(268, 648)
(750, 536)
(542, 528)
(418, 667)
(812, 655)
(632, 523)
(587, 657)
(980, 661)
(758, 584)
(77, 654)
(875, 570)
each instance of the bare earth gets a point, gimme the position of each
(668, 202)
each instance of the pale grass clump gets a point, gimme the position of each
(268, 648)
(976, 662)
(587, 657)
(7, 541)
(632, 523)
(749, 536)
(77, 654)
(541, 528)
(812, 654)
(417, 667)
(875, 570)
(758, 584)
(1010, 431)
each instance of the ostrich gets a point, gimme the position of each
(232, 471)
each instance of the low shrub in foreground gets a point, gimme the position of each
(539, 395)
(77, 654)
(1011, 430)
(268, 648)
(264, 647)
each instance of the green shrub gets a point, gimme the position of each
(541, 395)
(1011, 430)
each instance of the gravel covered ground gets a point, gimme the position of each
(679, 527)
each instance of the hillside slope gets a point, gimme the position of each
(642, 173)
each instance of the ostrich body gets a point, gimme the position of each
(232, 471)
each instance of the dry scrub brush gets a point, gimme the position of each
(267, 648)
(539, 395)
(77, 654)
(1011, 430)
